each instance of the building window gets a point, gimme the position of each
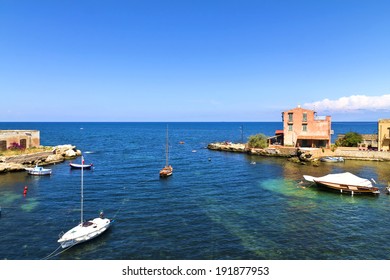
(290, 117)
(290, 127)
(304, 118)
(304, 127)
(3, 145)
(23, 143)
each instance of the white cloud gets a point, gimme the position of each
(352, 103)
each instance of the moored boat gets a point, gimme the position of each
(85, 230)
(167, 170)
(38, 171)
(332, 159)
(344, 183)
(79, 166)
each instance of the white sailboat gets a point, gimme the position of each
(86, 230)
(167, 169)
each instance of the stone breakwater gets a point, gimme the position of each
(56, 155)
(243, 148)
(302, 154)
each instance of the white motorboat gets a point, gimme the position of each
(38, 170)
(332, 159)
(344, 182)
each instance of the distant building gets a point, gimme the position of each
(23, 138)
(303, 128)
(369, 141)
(384, 135)
(278, 138)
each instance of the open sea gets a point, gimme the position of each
(215, 206)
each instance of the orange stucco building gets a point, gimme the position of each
(303, 128)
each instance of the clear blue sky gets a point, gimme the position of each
(144, 60)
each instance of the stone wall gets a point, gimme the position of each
(279, 151)
(309, 154)
(363, 155)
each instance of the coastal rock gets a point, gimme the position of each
(28, 159)
(294, 159)
(55, 155)
(227, 146)
(62, 149)
(67, 151)
(316, 163)
(70, 154)
(65, 147)
(304, 156)
(243, 148)
(265, 152)
(55, 158)
(11, 167)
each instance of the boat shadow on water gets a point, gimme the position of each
(325, 190)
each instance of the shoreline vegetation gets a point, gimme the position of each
(18, 160)
(301, 155)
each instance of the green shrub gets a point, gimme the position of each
(258, 141)
(350, 139)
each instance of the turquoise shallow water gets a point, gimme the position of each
(215, 206)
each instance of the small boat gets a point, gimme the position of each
(79, 166)
(168, 169)
(86, 230)
(332, 159)
(38, 170)
(344, 182)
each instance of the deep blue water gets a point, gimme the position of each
(215, 206)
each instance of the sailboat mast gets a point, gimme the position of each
(166, 150)
(82, 188)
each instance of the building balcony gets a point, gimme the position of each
(320, 118)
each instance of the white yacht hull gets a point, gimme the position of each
(84, 232)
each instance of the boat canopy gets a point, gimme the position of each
(345, 178)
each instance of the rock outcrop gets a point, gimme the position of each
(55, 155)
(228, 147)
(11, 167)
(243, 148)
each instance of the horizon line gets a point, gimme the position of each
(165, 121)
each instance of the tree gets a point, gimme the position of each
(258, 141)
(350, 139)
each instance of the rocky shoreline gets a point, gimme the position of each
(243, 148)
(302, 155)
(55, 155)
